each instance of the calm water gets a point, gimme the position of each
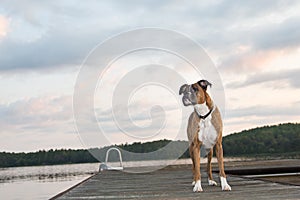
(44, 182)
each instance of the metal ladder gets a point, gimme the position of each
(105, 166)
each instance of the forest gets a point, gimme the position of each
(278, 141)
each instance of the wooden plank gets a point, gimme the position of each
(174, 182)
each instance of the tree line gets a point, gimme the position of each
(50, 157)
(279, 140)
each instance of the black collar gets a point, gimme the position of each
(206, 115)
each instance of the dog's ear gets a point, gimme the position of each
(183, 89)
(203, 84)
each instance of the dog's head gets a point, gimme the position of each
(195, 93)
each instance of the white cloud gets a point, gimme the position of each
(38, 123)
(39, 113)
(279, 79)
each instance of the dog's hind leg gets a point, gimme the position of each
(209, 171)
(219, 154)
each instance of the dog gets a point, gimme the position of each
(204, 129)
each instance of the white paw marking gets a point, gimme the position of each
(193, 183)
(212, 182)
(198, 187)
(225, 186)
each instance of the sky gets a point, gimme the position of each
(254, 45)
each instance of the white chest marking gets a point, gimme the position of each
(207, 133)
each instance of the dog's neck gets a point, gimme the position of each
(203, 110)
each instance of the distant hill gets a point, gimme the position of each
(279, 140)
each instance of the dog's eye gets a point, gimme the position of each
(195, 88)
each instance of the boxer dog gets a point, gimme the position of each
(204, 128)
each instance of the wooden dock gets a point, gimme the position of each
(174, 182)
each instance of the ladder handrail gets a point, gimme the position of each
(119, 152)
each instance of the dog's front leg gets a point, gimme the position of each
(197, 175)
(209, 170)
(191, 150)
(219, 153)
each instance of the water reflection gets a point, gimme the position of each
(42, 182)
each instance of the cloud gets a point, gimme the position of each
(248, 60)
(265, 111)
(47, 36)
(43, 35)
(279, 35)
(38, 123)
(50, 52)
(251, 117)
(4, 24)
(40, 113)
(53, 36)
(253, 49)
(287, 78)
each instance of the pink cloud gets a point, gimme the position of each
(40, 113)
(4, 24)
(253, 60)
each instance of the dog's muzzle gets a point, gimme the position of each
(189, 95)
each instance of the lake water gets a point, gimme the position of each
(44, 182)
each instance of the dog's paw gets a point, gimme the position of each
(225, 186)
(198, 187)
(212, 182)
(193, 183)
